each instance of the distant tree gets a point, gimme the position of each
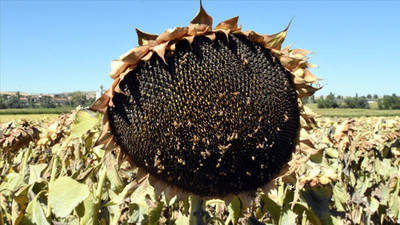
(389, 102)
(356, 102)
(78, 98)
(328, 102)
(306, 100)
(313, 99)
(13, 102)
(3, 104)
(369, 96)
(375, 96)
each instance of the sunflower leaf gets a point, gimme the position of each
(65, 194)
(83, 122)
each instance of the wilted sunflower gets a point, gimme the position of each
(214, 112)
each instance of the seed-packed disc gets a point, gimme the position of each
(218, 116)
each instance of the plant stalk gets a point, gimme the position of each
(196, 210)
(99, 192)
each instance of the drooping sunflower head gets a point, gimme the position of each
(207, 111)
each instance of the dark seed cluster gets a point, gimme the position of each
(218, 117)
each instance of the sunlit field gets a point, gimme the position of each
(348, 175)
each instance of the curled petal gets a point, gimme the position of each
(145, 38)
(245, 198)
(298, 80)
(170, 192)
(117, 67)
(160, 50)
(201, 23)
(104, 137)
(174, 34)
(111, 92)
(110, 145)
(159, 187)
(211, 36)
(309, 112)
(152, 180)
(253, 36)
(181, 195)
(310, 65)
(275, 41)
(304, 90)
(101, 104)
(147, 56)
(202, 18)
(141, 174)
(226, 32)
(299, 53)
(190, 39)
(286, 49)
(310, 77)
(289, 62)
(134, 55)
(230, 24)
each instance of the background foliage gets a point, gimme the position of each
(51, 173)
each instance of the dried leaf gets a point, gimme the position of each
(202, 18)
(230, 24)
(275, 41)
(145, 38)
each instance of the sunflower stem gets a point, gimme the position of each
(99, 192)
(196, 210)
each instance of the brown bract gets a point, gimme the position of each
(294, 60)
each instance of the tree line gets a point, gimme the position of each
(332, 101)
(45, 101)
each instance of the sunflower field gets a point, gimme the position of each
(51, 173)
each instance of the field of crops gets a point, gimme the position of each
(347, 112)
(51, 173)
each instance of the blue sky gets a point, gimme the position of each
(59, 46)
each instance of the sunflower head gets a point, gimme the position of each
(207, 111)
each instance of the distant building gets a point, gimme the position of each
(99, 92)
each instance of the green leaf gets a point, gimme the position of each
(385, 195)
(339, 196)
(144, 189)
(300, 207)
(117, 200)
(13, 181)
(116, 184)
(83, 122)
(394, 201)
(234, 210)
(65, 194)
(182, 220)
(331, 152)
(288, 218)
(155, 214)
(34, 213)
(86, 210)
(138, 213)
(35, 172)
(381, 167)
(272, 207)
(373, 205)
(318, 198)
